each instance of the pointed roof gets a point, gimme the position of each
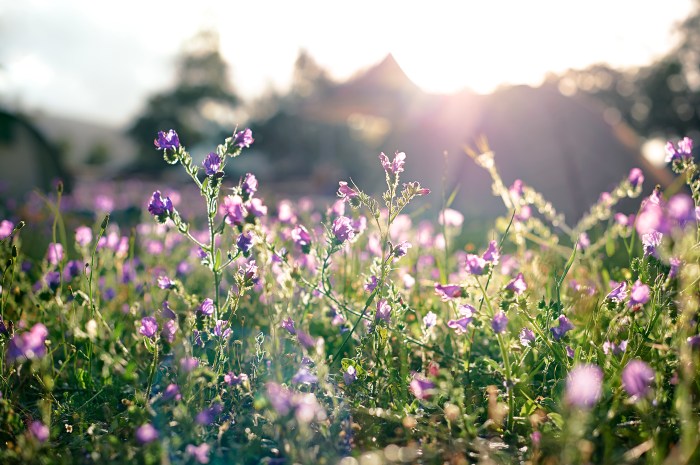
(383, 90)
(385, 75)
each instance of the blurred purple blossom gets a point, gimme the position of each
(83, 236)
(640, 294)
(637, 377)
(39, 430)
(146, 433)
(200, 453)
(499, 323)
(584, 386)
(6, 228)
(28, 345)
(636, 177)
(54, 253)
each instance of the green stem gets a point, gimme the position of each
(152, 373)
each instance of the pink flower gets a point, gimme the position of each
(396, 165)
(346, 192)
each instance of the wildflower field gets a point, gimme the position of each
(219, 328)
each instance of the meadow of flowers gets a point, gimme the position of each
(218, 328)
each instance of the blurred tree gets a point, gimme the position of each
(297, 145)
(661, 99)
(200, 107)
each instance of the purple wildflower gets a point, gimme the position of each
(517, 285)
(421, 388)
(499, 323)
(451, 218)
(304, 376)
(383, 311)
(243, 138)
(636, 177)
(83, 236)
(212, 164)
(475, 264)
(187, 364)
(288, 324)
(249, 271)
(396, 165)
(448, 292)
(172, 391)
(371, 284)
(72, 270)
(54, 253)
(675, 264)
(560, 331)
(165, 283)
(200, 452)
(167, 312)
(208, 415)
(167, 140)
(6, 228)
(206, 308)
(401, 249)
(342, 229)
(161, 208)
(302, 238)
(245, 243)
(149, 327)
(221, 330)
(346, 192)
(53, 280)
(460, 324)
(429, 320)
(615, 349)
(305, 339)
(492, 254)
(618, 292)
(570, 352)
(234, 210)
(146, 433)
(527, 337)
(681, 208)
(681, 151)
(256, 207)
(640, 294)
(29, 345)
(169, 331)
(516, 190)
(232, 380)
(650, 241)
(637, 377)
(584, 242)
(350, 375)
(584, 386)
(40, 431)
(250, 185)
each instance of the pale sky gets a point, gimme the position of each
(99, 60)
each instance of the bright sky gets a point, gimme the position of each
(99, 60)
